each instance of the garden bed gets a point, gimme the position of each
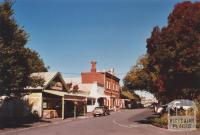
(162, 120)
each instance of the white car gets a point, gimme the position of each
(177, 105)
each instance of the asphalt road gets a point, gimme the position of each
(125, 122)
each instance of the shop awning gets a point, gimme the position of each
(66, 95)
(74, 97)
(57, 93)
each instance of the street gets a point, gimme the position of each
(125, 122)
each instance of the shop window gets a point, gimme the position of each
(45, 105)
(89, 102)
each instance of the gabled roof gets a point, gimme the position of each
(48, 77)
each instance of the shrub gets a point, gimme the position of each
(161, 121)
(198, 114)
(15, 111)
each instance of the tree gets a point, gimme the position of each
(35, 62)
(127, 94)
(16, 61)
(138, 77)
(72, 88)
(173, 51)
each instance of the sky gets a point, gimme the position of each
(68, 34)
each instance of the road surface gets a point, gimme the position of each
(125, 122)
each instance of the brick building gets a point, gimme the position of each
(106, 79)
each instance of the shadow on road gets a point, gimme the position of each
(147, 120)
(144, 117)
(19, 123)
(148, 117)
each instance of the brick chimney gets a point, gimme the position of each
(93, 66)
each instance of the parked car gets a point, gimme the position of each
(101, 111)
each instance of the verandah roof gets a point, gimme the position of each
(66, 95)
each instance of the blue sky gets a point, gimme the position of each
(68, 34)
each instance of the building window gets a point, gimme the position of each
(113, 86)
(107, 84)
(45, 105)
(116, 87)
(89, 102)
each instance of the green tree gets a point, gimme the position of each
(36, 64)
(128, 94)
(138, 77)
(16, 61)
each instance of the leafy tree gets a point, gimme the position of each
(16, 61)
(69, 86)
(72, 88)
(173, 62)
(35, 62)
(138, 77)
(75, 89)
(174, 52)
(127, 94)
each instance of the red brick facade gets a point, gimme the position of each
(106, 79)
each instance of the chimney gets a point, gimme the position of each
(93, 66)
(112, 71)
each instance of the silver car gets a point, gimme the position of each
(101, 111)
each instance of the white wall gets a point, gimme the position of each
(35, 100)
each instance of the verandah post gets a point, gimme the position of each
(75, 108)
(63, 108)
